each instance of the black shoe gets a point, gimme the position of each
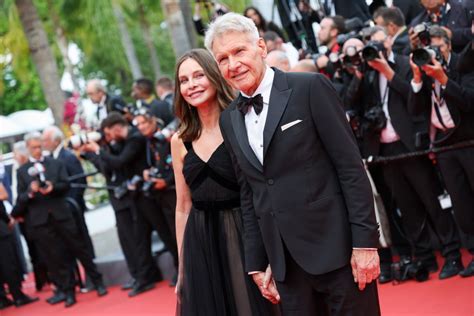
(430, 265)
(469, 271)
(101, 290)
(139, 288)
(129, 285)
(5, 302)
(70, 300)
(25, 300)
(57, 298)
(451, 268)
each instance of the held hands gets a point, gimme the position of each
(365, 266)
(436, 71)
(381, 65)
(266, 285)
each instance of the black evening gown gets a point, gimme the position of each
(214, 280)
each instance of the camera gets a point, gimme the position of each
(409, 270)
(423, 56)
(372, 49)
(147, 186)
(37, 172)
(422, 31)
(78, 140)
(335, 61)
(374, 120)
(124, 109)
(352, 57)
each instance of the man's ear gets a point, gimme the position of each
(262, 46)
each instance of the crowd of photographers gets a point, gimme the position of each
(408, 92)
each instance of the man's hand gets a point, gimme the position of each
(416, 70)
(146, 174)
(266, 285)
(91, 146)
(414, 40)
(48, 189)
(436, 71)
(382, 66)
(11, 223)
(322, 61)
(160, 184)
(365, 266)
(34, 186)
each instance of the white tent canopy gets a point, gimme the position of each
(22, 122)
(9, 128)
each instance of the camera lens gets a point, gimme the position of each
(370, 53)
(422, 56)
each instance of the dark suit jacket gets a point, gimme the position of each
(312, 193)
(401, 45)
(457, 20)
(73, 167)
(459, 96)
(409, 8)
(352, 9)
(4, 220)
(40, 206)
(367, 95)
(114, 103)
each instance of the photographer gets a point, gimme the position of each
(442, 97)
(331, 27)
(389, 130)
(394, 22)
(42, 188)
(121, 160)
(106, 103)
(213, 8)
(159, 196)
(450, 14)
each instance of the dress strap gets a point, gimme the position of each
(188, 145)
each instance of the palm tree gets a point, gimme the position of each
(177, 27)
(43, 57)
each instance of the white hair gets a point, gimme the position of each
(279, 55)
(97, 85)
(20, 148)
(230, 22)
(32, 136)
(56, 133)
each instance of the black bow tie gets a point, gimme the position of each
(244, 104)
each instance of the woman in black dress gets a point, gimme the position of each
(212, 280)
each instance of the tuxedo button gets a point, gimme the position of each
(270, 181)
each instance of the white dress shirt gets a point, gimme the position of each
(388, 134)
(256, 123)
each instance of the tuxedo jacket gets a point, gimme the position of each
(459, 96)
(73, 168)
(352, 9)
(367, 95)
(37, 209)
(401, 45)
(457, 20)
(4, 220)
(311, 193)
(409, 8)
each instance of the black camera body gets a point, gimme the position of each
(352, 57)
(372, 49)
(422, 31)
(147, 186)
(423, 56)
(374, 120)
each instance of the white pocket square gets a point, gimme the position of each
(288, 125)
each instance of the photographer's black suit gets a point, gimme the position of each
(51, 224)
(457, 166)
(310, 202)
(413, 182)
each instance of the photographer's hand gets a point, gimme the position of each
(48, 189)
(414, 40)
(382, 66)
(146, 174)
(160, 184)
(34, 186)
(436, 71)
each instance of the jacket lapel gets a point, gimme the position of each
(238, 124)
(278, 102)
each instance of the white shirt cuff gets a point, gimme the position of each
(416, 86)
(254, 272)
(364, 248)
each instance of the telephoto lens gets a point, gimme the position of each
(371, 50)
(423, 56)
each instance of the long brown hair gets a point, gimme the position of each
(190, 128)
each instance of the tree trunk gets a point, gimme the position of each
(42, 57)
(176, 26)
(127, 43)
(188, 20)
(145, 26)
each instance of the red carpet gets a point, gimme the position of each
(452, 297)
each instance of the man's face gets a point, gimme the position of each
(379, 21)
(94, 95)
(35, 148)
(20, 158)
(49, 143)
(431, 5)
(145, 125)
(240, 60)
(117, 132)
(443, 47)
(137, 93)
(327, 32)
(382, 38)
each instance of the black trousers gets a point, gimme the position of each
(50, 239)
(37, 261)
(158, 211)
(457, 168)
(413, 184)
(127, 235)
(334, 293)
(9, 266)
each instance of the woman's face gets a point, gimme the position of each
(194, 86)
(251, 14)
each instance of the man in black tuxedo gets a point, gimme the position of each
(106, 103)
(165, 91)
(449, 107)
(42, 188)
(394, 22)
(307, 205)
(412, 182)
(447, 13)
(131, 160)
